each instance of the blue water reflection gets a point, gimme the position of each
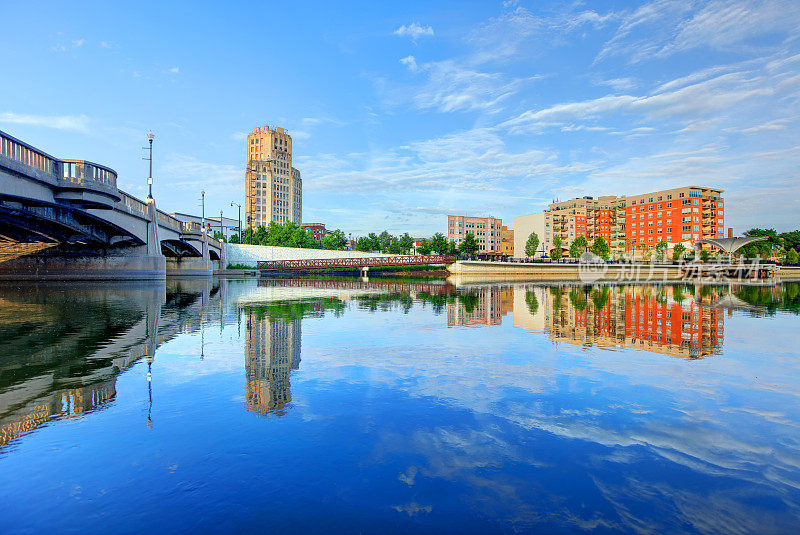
(324, 405)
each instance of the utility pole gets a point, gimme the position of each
(150, 137)
(221, 232)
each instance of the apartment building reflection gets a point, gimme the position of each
(660, 319)
(482, 306)
(272, 349)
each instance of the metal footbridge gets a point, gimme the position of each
(355, 262)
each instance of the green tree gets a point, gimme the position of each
(556, 292)
(531, 245)
(792, 257)
(705, 256)
(578, 246)
(452, 247)
(362, 244)
(531, 301)
(600, 248)
(661, 250)
(762, 248)
(219, 236)
(385, 241)
(234, 238)
(556, 253)
(469, 246)
(578, 299)
(677, 251)
(424, 247)
(248, 236)
(334, 241)
(791, 240)
(599, 298)
(406, 243)
(260, 235)
(439, 243)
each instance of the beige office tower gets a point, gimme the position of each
(273, 188)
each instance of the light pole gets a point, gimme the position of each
(150, 137)
(239, 207)
(221, 232)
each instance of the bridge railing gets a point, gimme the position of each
(20, 152)
(133, 204)
(87, 173)
(168, 221)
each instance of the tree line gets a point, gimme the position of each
(786, 245)
(438, 244)
(288, 234)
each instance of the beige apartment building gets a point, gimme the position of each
(507, 237)
(628, 223)
(273, 188)
(487, 232)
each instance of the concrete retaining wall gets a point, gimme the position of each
(248, 255)
(138, 267)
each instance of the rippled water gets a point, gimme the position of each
(331, 405)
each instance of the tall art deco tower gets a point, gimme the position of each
(273, 188)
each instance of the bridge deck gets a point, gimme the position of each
(367, 261)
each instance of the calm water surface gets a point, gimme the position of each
(348, 406)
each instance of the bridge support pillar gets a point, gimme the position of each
(190, 266)
(57, 264)
(153, 243)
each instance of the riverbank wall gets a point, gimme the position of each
(512, 271)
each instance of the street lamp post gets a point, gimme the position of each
(150, 137)
(239, 207)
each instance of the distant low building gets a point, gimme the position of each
(487, 232)
(229, 226)
(318, 229)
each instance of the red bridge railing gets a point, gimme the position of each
(367, 261)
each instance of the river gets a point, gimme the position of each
(331, 405)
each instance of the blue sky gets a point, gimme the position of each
(404, 112)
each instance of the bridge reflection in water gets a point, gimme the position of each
(63, 346)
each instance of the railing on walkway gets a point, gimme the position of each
(369, 261)
(87, 173)
(22, 153)
(168, 221)
(41, 165)
(133, 204)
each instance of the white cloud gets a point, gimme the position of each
(74, 123)
(619, 84)
(688, 103)
(78, 42)
(662, 28)
(451, 86)
(414, 30)
(105, 44)
(174, 70)
(410, 62)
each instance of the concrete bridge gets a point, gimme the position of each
(66, 219)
